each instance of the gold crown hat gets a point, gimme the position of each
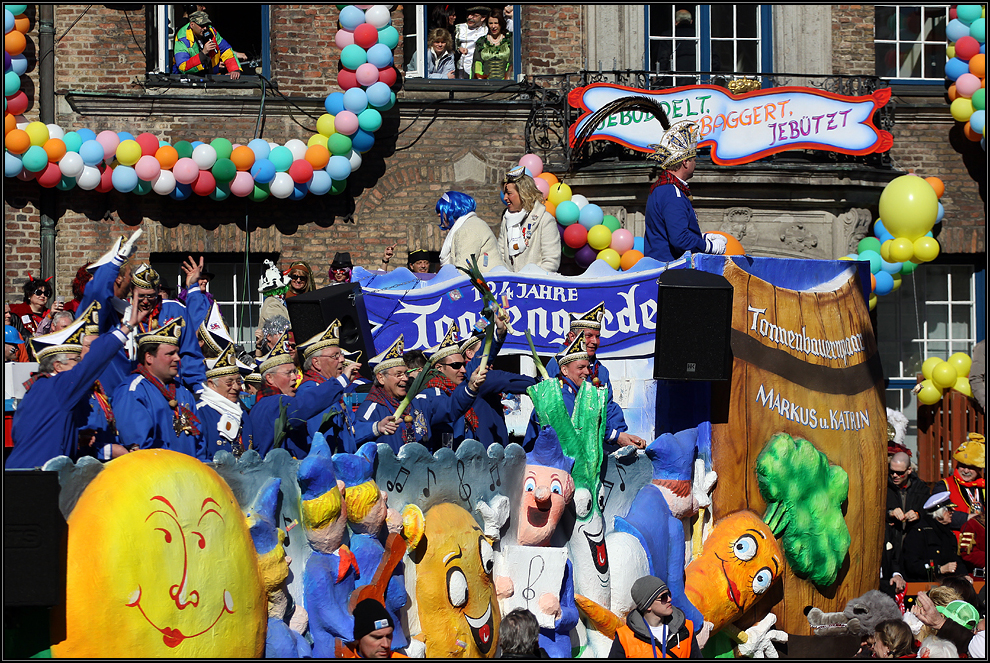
(145, 277)
(277, 356)
(390, 358)
(448, 346)
(227, 364)
(214, 333)
(351, 357)
(590, 320)
(168, 333)
(254, 377)
(972, 452)
(326, 338)
(573, 352)
(67, 340)
(91, 318)
(473, 338)
(678, 143)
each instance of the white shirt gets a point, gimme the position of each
(467, 38)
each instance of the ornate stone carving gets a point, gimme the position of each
(855, 224)
(796, 236)
(736, 220)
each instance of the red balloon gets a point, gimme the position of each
(148, 143)
(301, 171)
(17, 104)
(50, 176)
(388, 75)
(346, 79)
(575, 236)
(106, 180)
(366, 35)
(966, 48)
(952, 13)
(205, 184)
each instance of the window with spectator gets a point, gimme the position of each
(909, 42)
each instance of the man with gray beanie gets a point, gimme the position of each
(655, 629)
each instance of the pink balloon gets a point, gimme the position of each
(543, 186)
(109, 140)
(533, 162)
(622, 241)
(242, 185)
(185, 170)
(967, 84)
(366, 74)
(343, 39)
(346, 122)
(147, 168)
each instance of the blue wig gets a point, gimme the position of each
(452, 206)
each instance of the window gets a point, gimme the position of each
(726, 39)
(909, 41)
(419, 22)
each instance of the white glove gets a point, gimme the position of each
(127, 248)
(761, 638)
(715, 244)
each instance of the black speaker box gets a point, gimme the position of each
(34, 539)
(694, 318)
(312, 312)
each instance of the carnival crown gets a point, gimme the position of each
(326, 338)
(167, 333)
(145, 277)
(678, 143)
(390, 358)
(590, 320)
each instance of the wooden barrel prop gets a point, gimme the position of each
(805, 363)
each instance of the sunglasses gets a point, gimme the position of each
(456, 365)
(898, 473)
(967, 467)
(664, 598)
(297, 277)
(41, 292)
(339, 269)
(147, 298)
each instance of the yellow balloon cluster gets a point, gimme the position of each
(909, 209)
(941, 374)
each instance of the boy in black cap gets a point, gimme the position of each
(372, 633)
(655, 629)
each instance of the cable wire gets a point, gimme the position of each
(78, 18)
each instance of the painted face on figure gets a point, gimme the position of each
(546, 492)
(324, 519)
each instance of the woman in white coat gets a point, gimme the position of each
(529, 233)
(467, 233)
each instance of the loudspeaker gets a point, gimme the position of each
(694, 318)
(312, 312)
(34, 539)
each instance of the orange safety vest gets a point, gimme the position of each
(636, 648)
(345, 650)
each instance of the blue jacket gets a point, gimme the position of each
(144, 418)
(615, 421)
(433, 413)
(488, 405)
(557, 641)
(100, 289)
(213, 441)
(343, 428)
(47, 423)
(568, 390)
(671, 225)
(306, 404)
(105, 433)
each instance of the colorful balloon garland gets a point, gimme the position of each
(966, 67)
(143, 164)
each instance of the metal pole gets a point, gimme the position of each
(46, 74)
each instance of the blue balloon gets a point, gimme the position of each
(181, 191)
(263, 171)
(591, 215)
(977, 121)
(891, 267)
(123, 135)
(86, 134)
(362, 141)
(881, 232)
(260, 147)
(299, 191)
(334, 103)
(8, 21)
(12, 165)
(379, 94)
(338, 168)
(355, 100)
(197, 143)
(124, 179)
(380, 55)
(885, 283)
(639, 244)
(954, 68)
(930, 234)
(351, 17)
(321, 182)
(90, 151)
(874, 259)
(18, 64)
(941, 213)
(956, 30)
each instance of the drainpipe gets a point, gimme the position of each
(46, 75)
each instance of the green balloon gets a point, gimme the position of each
(337, 187)
(873, 258)
(611, 222)
(567, 251)
(11, 83)
(869, 244)
(184, 148)
(978, 30)
(224, 170)
(260, 193)
(66, 183)
(389, 36)
(35, 159)
(353, 56)
(339, 145)
(980, 99)
(72, 142)
(16, 10)
(370, 120)
(142, 188)
(281, 158)
(222, 192)
(908, 267)
(223, 147)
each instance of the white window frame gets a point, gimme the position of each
(940, 45)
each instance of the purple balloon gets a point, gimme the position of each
(585, 256)
(6, 61)
(561, 230)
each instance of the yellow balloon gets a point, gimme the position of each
(929, 394)
(944, 375)
(885, 251)
(873, 301)
(325, 125)
(961, 362)
(559, 193)
(901, 250)
(317, 139)
(611, 256)
(926, 249)
(961, 109)
(908, 207)
(950, 51)
(128, 152)
(599, 237)
(38, 133)
(898, 281)
(929, 366)
(963, 387)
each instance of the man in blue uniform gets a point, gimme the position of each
(98, 436)
(154, 410)
(56, 405)
(671, 223)
(225, 422)
(588, 327)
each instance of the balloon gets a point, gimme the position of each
(599, 237)
(968, 13)
(18, 141)
(301, 171)
(929, 365)
(929, 394)
(17, 104)
(338, 167)
(281, 158)
(575, 236)
(124, 179)
(890, 267)
(50, 176)
(389, 36)
(937, 185)
(224, 171)
(109, 140)
(961, 362)
(317, 156)
(88, 178)
(366, 74)
(346, 123)
(630, 258)
(967, 84)
(346, 79)
(549, 177)
(242, 184)
(205, 184)
(325, 125)
(263, 171)
(260, 148)
(296, 148)
(167, 156)
(181, 191)
(147, 168)
(164, 183)
(885, 283)
(977, 121)
(281, 186)
(978, 65)
(351, 57)
(66, 183)
(543, 186)
(378, 16)
(354, 158)
(185, 170)
(73, 141)
(534, 163)
(38, 133)
(339, 144)
(334, 103)
(91, 152)
(908, 207)
(222, 192)
(868, 244)
(956, 30)
(966, 48)
(388, 76)
(321, 182)
(954, 68)
(611, 257)
(8, 21)
(962, 386)
(148, 143)
(592, 215)
(585, 256)
(567, 251)
(944, 375)
(11, 83)
(343, 38)
(567, 213)
(380, 55)
(379, 94)
(874, 259)
(204, 156)
(14, 43)
(370, 120)
(961, 109)
(576, 198)
(222, 147)
(362, 140)
(35, 159)
(926, 249)
(977, 30)
(622, 241)
(71, 165)
(317, 139)
(243, 158)
(128, 152)
(909, 266)
(351, 17)
(366, 36)
(611, 223)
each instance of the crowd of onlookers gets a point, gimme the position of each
(478, 48)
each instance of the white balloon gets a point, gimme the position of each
(355, 158)
(204, 156)
(579, 200)
(298, 149)
(71, 164)
(164, 183)
(271, 145)
(378, 16)
(21, 121)
(281, 186)
(55, 131)
(89, 178)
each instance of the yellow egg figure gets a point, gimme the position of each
(161, 565)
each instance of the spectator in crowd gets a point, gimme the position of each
(443, 16)
(386, 256)
(373, 629)
(930, 547)
(252, 382)
(906, 497)
(953, 622)
(440, 56)
(274, 286)
(507, 15)
(13, 345)
(528, 234)
(655, 628)
(83, 276)
(201, 50)
(893, 639)
(202, 284)
(32, 310)
(966, 484)
(964, 588)
(941, 596)
(467, 233)
(55, 320)
(341, 267)
(935, 647)
(466, 36)
(301, 278)
(273, 330)
(519, 635)
(226, 426)
(493, 52)
(419, 261)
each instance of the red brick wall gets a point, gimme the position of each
(553, 39)
(852, 40)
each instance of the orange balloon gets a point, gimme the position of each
(630, 258)
(873, 283)
(317, 155)
(978, 65)
(167, 156)
(550, 206)
(14, 42)
(22, 23)
(732, 245)
(243, 157)
(55, 147)
(972, 135)
(953, 93)
(17, 141)
(549, 177)
(9, 123)
(937, 184)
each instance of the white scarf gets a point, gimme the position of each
(448, 241)
(231, 412)
(515, 239)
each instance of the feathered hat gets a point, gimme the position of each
(678, 143)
